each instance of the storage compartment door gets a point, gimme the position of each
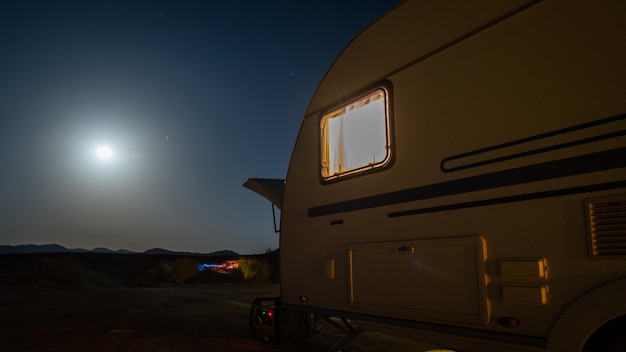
(433, 279)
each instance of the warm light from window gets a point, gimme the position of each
(355, 137)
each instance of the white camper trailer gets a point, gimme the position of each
(460, 178)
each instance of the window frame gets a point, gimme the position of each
(386, 87)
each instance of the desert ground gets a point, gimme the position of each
(104, 314)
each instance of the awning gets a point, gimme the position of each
(270, 188)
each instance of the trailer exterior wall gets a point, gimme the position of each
(506, 116)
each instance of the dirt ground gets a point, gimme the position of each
(196, 317)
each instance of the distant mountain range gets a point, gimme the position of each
(55, 248)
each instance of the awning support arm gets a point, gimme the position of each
(276, 228)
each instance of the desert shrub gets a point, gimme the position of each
(63, 270)
(148, 278)
(252, 270)
(185, 269)
(179, 270)
(166, 268)
(67, 270)
(24, 272)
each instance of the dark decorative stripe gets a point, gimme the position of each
(535, 138)
(535, 151)
(599, 161)
(510, 199)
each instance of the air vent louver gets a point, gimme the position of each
(607, 226)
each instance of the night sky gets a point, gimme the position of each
(192, 97)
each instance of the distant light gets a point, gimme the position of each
(104, 152)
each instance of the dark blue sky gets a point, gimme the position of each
(193, 97)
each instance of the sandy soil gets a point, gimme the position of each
(197, 317)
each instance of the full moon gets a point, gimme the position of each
(104, 152)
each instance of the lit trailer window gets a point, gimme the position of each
(356, 137)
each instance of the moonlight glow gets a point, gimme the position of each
(104, 152)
